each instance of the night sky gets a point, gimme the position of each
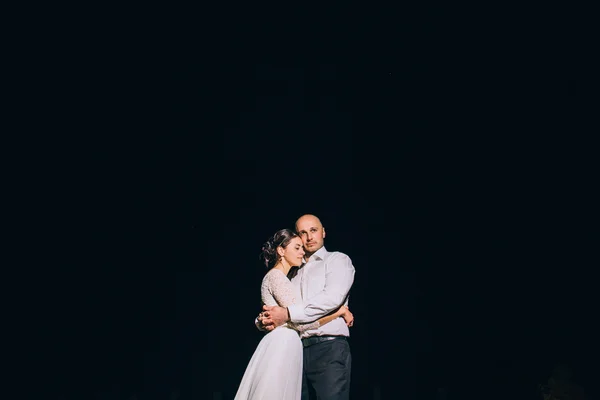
(449, 161)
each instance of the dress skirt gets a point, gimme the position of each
(275, 369)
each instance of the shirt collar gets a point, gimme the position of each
(320, 254)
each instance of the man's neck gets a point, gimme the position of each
(308, 255)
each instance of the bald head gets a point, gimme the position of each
(311, 231)
(308, 218)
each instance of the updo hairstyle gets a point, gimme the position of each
(269, 250)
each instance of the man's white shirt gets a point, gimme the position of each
(324, 283)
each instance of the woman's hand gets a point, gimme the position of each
(347, 315)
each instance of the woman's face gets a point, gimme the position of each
(294, 252)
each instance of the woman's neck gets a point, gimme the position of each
(283, 268)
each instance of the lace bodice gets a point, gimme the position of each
(277, 290)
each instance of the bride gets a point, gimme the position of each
(275, 369)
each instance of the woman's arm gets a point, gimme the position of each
(343, 312)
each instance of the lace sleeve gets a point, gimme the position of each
(280, 288)
(282, 291)
(305, 327)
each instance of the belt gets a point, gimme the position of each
(319, 339)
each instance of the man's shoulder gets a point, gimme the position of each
(338, 256)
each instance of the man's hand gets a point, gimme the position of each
(274, 316)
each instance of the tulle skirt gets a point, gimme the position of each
(275, 369)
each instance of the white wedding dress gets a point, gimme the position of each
(275, 369)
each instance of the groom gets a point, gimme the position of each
(324, 282)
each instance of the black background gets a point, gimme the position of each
(446, 154)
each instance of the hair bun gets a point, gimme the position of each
(268, 253)
(267, 246)
(269, 249)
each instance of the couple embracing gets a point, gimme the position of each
(305, 354)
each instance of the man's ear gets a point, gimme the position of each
(324, 234)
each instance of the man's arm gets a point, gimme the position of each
(338, 281)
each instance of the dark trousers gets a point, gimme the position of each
(326, 374)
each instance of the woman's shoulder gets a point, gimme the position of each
(273, 274)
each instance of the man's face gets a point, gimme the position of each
(312, 233)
